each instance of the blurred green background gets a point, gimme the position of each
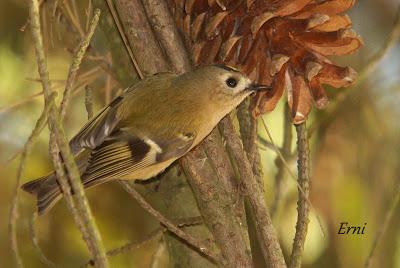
(355, 154)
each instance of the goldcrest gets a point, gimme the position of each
(148, 127)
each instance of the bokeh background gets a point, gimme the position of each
(355, 152)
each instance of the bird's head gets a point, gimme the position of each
(221, 85)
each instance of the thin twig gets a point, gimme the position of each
(286, 147)
(132, 245)
(267, 144)
(149, 237)
(66, 189)
(292, 175)
(14, 204)
(58, 139)
(167, 223)
(303, 209)
(35, 242)
(383, 228)
(77, 59)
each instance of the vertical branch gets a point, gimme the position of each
(266, 234)
(303, 208)
(66, 189)
(216, 207)
(248, 133)
(141, 37)
(83, 212)
(167, 34)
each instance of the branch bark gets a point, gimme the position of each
(82, 213)
(142, 40)
(265, 232)
(164, 27)
(303, 208)
(216, 207)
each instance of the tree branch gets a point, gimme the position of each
(86, 222)
(149, 237)
(303, 208)
(265, 231)
(215, 204)
(132, 245)
(141, 37)
(248, 132)
(171, 227)
(167, 34)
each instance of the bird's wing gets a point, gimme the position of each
(123, 154)
(98, 128)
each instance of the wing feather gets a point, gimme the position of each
(125, 154)
(97, 129)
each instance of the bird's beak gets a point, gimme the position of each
(257, 87)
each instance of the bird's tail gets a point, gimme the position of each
(46, 190)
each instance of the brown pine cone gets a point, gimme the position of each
(283, 43)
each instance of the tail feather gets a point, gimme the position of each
(46, 190)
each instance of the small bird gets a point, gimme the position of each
(148, 127)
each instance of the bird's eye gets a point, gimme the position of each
(231, 82)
